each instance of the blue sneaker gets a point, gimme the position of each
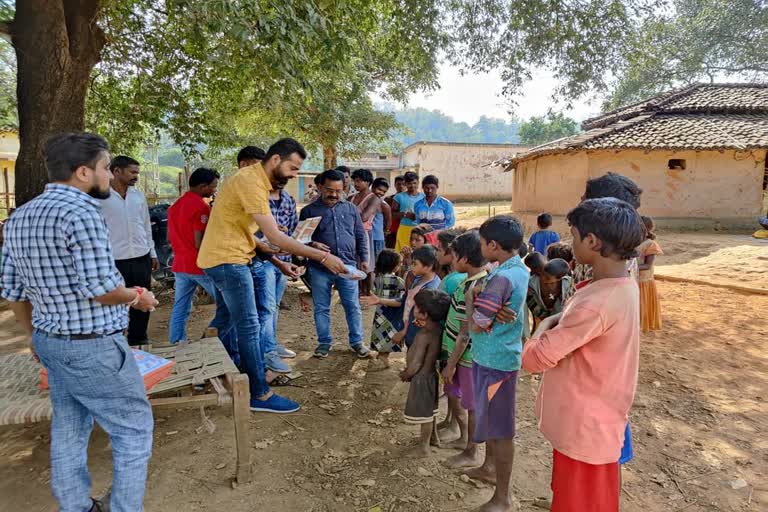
(276, 364)
(284, 352)
(275, 404)
(321, 352)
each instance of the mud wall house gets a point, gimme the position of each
(462, 168)
(698, 153)
(9, 150)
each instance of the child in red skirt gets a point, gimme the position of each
(589, 355)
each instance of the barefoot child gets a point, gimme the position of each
(589, 355)
(417, 240)
(431, 307)
(457, 349)
(424, 277)
(496, 348)
(650, 307)
(388, 295)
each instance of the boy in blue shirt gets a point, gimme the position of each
(496, 349)
(544, 237)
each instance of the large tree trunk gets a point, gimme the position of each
(329, 157)
(57, 45)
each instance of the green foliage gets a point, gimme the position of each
(692, 41)
(8, 107)
(433, 125)
(539, 129)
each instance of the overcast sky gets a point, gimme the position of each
(466, 98)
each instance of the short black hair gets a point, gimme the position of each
(535, 261)
(523, 250)
(203, 176)
(650, 226)
(65, 152)
(343, 169)
(558, 268)
(399, 178)
(363, 174)
(544, 220)
(330, 175)
(467, 245)
(614, 222)
(426, 255)
(430, 179)
(505, 230)
(122, 162)
(316, 179)
(285, 148)
(616, 186)
(410, 176)
(560, 250)
(446, 237)
(435, 303)
(421, 231)
(250, 153)
(380, 182)
(387, 261)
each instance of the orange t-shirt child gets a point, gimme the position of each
(590, 365)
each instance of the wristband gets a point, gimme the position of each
(139, 292)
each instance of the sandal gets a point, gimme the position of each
(283, 380)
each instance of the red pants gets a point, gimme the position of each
(581, 487)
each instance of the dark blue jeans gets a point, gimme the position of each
(236, 308)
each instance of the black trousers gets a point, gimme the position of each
(136, 272)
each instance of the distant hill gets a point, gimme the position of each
(434, 125)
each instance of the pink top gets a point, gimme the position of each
(590, 363)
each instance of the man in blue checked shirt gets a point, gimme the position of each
(60, 279)
(433, 209)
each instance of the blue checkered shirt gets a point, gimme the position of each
(57, 256)
(284, 212)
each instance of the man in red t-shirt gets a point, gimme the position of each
(187, 219)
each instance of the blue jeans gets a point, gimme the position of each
(322, 281)
(269, 286)
(185, 286)
(96, 379)
(236, 309)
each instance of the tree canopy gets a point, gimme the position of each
(691, 41)
(540, 129)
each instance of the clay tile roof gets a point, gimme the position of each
(699, 117)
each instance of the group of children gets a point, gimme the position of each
(465, 308)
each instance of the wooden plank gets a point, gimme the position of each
(734, 287)
(7, 191)
(241, 413)
(185, 401)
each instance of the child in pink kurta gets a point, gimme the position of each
(589, 356)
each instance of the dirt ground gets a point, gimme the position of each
(700, 426)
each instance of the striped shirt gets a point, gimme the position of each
(57, 255)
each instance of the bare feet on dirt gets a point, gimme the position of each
(462, 461)
(483, 473)
(450, 433)
(417, 452)
(496, 506)
(457, 444)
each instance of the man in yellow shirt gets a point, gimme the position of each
(241, 209)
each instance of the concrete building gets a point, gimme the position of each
(9, 150)
(462, 168)
(698, 153)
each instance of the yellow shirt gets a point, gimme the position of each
(229, 237)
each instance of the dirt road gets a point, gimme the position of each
(700, 427)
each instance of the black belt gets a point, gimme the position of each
(82, 336)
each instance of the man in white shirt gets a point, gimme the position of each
(130, 233)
